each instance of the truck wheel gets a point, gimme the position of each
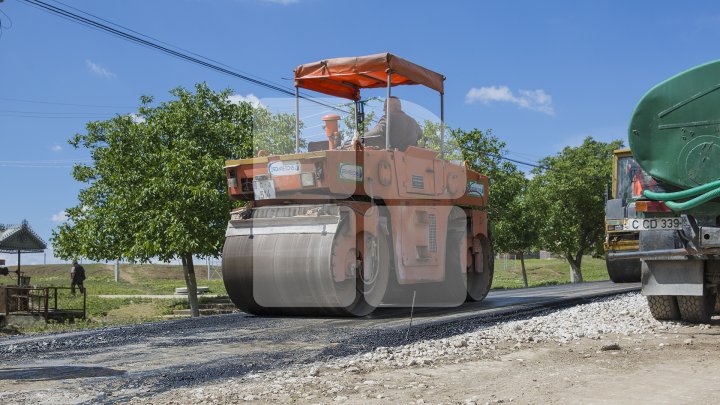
(664, 307)
(697, 309)
(623, 271)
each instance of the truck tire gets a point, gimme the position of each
(696, 309)
(664, 307)
(623, 271)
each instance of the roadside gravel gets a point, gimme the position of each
(625, 315)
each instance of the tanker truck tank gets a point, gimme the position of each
(674, 135)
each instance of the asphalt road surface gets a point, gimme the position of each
(118, 363)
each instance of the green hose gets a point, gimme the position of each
(682, 194)
(711, 191)
(699, 200)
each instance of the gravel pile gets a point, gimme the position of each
(623, 315)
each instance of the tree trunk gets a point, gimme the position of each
(575, 269)
(522, 266)
(190, 283)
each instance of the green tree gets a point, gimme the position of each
(156, 186)
(567, 196)
(484, 153)
(274, 133)
(516, 231)
(512, 229)
(349, 119)
(431, 140)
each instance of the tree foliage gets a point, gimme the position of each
(567, 196)
(349, 120)
(431, 140)
(274, 133)
(156, 187)
(483, 152)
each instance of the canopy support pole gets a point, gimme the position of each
(387, 112)
(442, 125)
(357, 123)
(297, 120)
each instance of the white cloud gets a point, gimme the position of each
(250, 98)
(537, 100)
(56, 148)
(59, 217)
(99, 70)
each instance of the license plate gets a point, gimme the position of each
(264, 189)
(649, 224)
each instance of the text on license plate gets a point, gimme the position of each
(264, 189)
(644, 224)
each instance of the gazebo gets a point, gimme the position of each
(20, 239)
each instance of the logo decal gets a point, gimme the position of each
(284, 167)
(351, 172)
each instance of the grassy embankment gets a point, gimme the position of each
(163, 279)
(542, 272)
(134, 280)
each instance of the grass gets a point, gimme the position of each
(543, 272)
(163, 279)
(100, 280)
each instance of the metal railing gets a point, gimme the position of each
(42, 301)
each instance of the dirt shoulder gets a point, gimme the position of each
(671, 367)
(610, 351)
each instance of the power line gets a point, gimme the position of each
(55, 116)
(54, 112)
(22, 100)
(205, 62)
(170, 45)
(520, 162)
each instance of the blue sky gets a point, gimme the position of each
(542, 75)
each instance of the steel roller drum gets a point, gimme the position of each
(674, 132)
(282, 266)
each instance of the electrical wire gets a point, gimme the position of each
(23, 100)
(192, 58)
(205, 62)
(170, 45)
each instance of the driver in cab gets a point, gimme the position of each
(404, 130)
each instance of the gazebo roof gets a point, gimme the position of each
(14, 238)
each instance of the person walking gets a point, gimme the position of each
(77, 276)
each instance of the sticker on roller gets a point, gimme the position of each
(284, 167)
(475, 189)
(350, 172)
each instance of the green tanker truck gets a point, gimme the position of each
(674, 136)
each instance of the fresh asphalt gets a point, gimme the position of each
(145, 359)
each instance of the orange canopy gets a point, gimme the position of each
(344, 77)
